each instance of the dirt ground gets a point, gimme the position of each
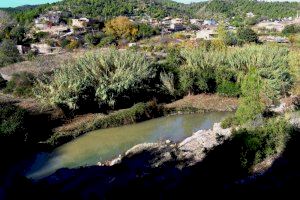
(207, 102)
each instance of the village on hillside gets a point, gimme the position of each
(54, 31)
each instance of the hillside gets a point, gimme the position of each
(161, 8)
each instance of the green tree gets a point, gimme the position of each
(250, 104)
(247, 35)
(9, 54)
(17, 34)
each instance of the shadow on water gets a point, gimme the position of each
(218, 175)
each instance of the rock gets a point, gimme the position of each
(168, 141)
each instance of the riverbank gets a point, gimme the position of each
(140, 112)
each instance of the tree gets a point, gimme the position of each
(145, 31)
(8, 53)
(121, 28)
(250, 104)
(291, 29)
(247, 35)
(17, 34)
(4, 20)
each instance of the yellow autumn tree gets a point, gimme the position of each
(121, 28)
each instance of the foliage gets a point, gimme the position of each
(137, 113)
(228, 122)
(17, 34)
(250, 104)
(146, 31)
(247, 35)
(256, 144)
(228, 88)
(107, 41)
(121, 28)
(74, 44)
(9, 54)
(20, 84)
(105, 78)
(12, 123)
(291, 29)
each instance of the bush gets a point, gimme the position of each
(291, 29)
(107, 41)
(12, 124)
(228, 88)
(247, 35)
(256, 144)
(21, 84)
(9, 53)
(74, 44)
(250, 105)
(228, 122)
(106, 78)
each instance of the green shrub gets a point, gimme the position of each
(21, 84)
(107, 41)
(228, 122)
(104, 78)
(12, 123)
(9, 53)
(250, 105)
(256, 144)
(228, 88)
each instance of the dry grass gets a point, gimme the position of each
(205, 102)
(78, 121)
(43, 63)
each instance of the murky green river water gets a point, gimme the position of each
(106, 144)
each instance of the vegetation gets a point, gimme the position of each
(250, 104)
(107, 78)
(256, 144)
(291, 29)
(9, 54)
(246, 35)
(12, 124)
(121, 28)
(139, 112)
(21, 84)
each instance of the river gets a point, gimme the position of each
(106, 144)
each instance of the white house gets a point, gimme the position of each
(206, 34)
(210, 22)
(80, 23)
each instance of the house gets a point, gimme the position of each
(206, 34)
(176, 27)
(177, 21)
(276, 39)
(210, 22)
(41, 48)
(195, 21)
(52, 17)
(250, 14)
(80, 23)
